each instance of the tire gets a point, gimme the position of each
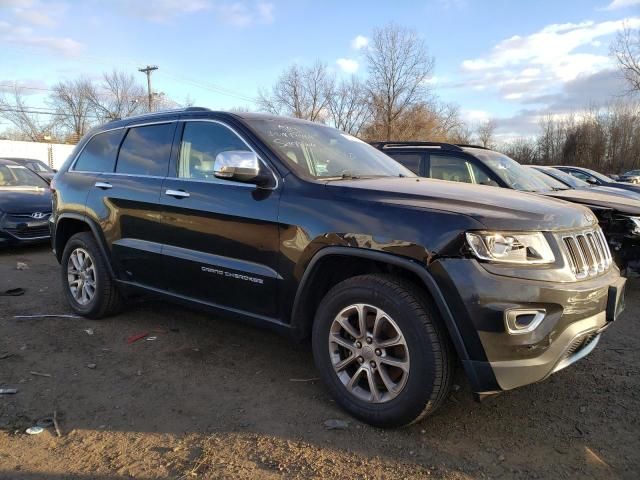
(105, 300)
(403, 396)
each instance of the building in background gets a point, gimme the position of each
(53, 154)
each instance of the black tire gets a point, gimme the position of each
(107, 300)
(431, 359)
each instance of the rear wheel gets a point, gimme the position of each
(88, 286)
(381, 350)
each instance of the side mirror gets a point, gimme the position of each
(592, 181)
(238, 165)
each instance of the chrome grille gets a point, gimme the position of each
(588, 252)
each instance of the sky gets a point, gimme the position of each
(512, 61)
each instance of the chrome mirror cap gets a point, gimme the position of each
(238, 165)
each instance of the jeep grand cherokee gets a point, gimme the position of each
(307, 230)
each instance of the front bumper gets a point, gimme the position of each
(23, 229)
(575, 315)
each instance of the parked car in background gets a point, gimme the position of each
(632, 176)
(614, 176)
(576, 183)
(25, 205)
(596, 178)
(36, 166)
(309, 231)
(619, 216)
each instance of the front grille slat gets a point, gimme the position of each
(588, 252)
(29, 233)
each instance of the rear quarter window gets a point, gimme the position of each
(99, 155)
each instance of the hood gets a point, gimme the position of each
(25, 200)
(634, 187)
(614, 191)
(494, 207)
(620, 204)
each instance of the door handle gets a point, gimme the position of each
(103, 185)
(177, 193)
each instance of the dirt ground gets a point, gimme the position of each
(211, 398)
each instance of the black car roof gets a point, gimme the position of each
(194, 111)
(7, 161)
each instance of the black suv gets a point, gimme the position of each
(307, 230)
(618, 213)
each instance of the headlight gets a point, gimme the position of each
(635, 225)
(522, 248)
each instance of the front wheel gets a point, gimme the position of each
(381, 350)
(87, 284)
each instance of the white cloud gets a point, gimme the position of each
(359, 42)
(348, 65)
(617, 4)
(162, 11)
(239, 14)
(475, 116)
(521, 67)
(27, 37)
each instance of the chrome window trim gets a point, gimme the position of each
(228, 182)
(215, 181)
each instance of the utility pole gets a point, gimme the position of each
(148, 69)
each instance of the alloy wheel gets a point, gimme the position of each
(369, 353)
(81, 276)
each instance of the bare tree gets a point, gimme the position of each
(399, 67)
(461, 134)
(485, 133)
(118, 96)
(300, 92)
(348, 106)
(30, 123)
(523, 150)
(626, 50)
(70, 99)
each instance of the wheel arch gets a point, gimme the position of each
(68, 224)
(306, 296)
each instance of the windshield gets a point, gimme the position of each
(511, 172)
(573, 182)
(39, 166)
(19, 176)
(599, 176)
(322, 152)
(550, 181)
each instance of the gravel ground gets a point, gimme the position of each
(211, 398)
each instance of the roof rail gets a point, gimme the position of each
(472, 146)
(168, 112)
(409, 144)
(197, 109)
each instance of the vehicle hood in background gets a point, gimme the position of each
(621, 204)
(24, 200)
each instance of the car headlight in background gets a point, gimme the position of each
(522, 248)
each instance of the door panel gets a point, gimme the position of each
(131, 219)
(221, 237)
(126, 203)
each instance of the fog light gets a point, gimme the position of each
(519, 321)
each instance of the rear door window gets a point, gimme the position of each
(99, 155)
(146, 150)
(413, 161)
